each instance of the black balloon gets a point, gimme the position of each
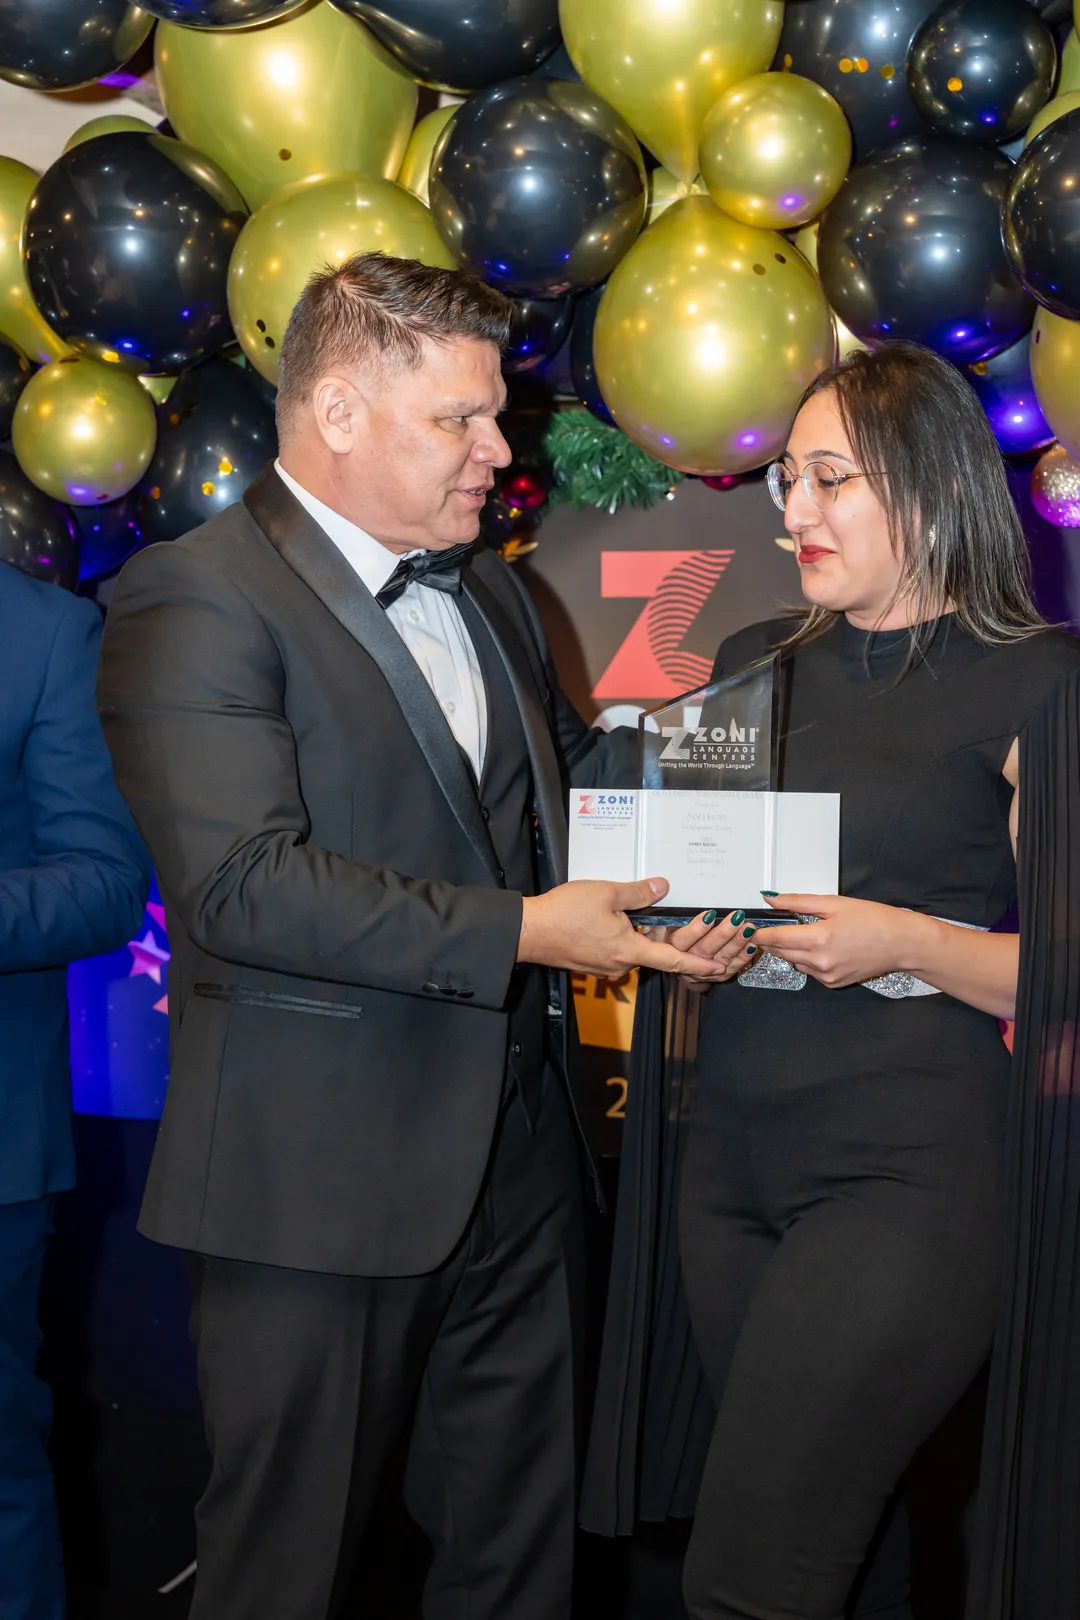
(858, 50)
(981, 69)
(59, 44)
(128, 239)
(1042, 217)
(108, 536)
(1054, 11)
(37, 534)
(215, 435)
(538, 329)
(462, 44)
(218, 13)
(538, 186)
(582, 365)
(559, 66)
(14, 376)
(911, 248)
(1007, 395)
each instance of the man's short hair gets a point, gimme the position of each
(377, 312)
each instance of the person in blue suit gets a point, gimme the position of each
(73, 881)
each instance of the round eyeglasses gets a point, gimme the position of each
(820, 481)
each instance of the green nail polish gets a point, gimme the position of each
(737, 917)
(750, 949)
(709, 918)
(770, 894)
(748, 933)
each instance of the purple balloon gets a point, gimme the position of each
(1007, 395)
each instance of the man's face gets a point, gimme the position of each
(425, 447)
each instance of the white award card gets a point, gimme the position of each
(715, 848)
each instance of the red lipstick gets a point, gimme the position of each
(813, 554)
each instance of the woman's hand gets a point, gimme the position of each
(855, 940)
(727, 944)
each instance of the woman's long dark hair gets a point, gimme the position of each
(927, 449)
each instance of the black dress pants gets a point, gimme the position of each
(842, 1270)
(308, 1381)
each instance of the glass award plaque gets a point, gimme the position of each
(707, 815)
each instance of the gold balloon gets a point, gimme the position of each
(664, 63)
(159, 388)
(1069, 77)
(19, 317)
(775, 150)
(664, 189)
(705, 338)
(416, 164)
(108, 124)
(311, 93)
(84, 431)
(806, 241)
(1053, 109)
(306, 226)
(1055, 371)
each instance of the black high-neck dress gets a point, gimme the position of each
(840, 1219)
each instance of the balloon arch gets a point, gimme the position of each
(693, 209)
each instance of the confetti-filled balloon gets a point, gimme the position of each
(20, 319)
(416, 164)
(663, 66)
(539, 327)
(462, 44)
(128, 239)
(61, 44)
(215, 435)
(1055, 488)
(911, 248)
(1042, 217)
(37, 534)
(981, 69)
(775, 150)
(1007, 395)
(313, 93)
(1055, 366)
(14, 376)
(306, 226)
(858, 50)
(538, 187)
(84, 431)
(706, 336)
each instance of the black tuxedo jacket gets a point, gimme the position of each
(342, 942)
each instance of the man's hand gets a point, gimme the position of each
(583, 927)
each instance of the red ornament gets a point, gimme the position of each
(723, 481)
(524, 490)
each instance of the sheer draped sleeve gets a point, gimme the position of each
(1026, 1555)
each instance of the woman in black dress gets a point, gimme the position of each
(840, 1219)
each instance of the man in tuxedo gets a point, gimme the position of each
(73, 881)
(338, 729)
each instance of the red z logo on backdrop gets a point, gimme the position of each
(651, 662)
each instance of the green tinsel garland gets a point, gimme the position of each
(597, 465)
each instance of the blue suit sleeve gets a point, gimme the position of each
(84, 891)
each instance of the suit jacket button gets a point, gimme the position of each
(466, 995)
(516, 1049)
(431, 988)
(501, 875)
(447, 989)
(485, 812)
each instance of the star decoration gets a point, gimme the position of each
(147, 957)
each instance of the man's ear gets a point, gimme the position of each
(339, 409)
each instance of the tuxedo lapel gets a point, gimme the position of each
(547, 778)
(314, 558)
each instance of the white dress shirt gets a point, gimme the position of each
(428, 621)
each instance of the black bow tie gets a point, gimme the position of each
(439, 569)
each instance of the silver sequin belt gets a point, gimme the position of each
(773, 973)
